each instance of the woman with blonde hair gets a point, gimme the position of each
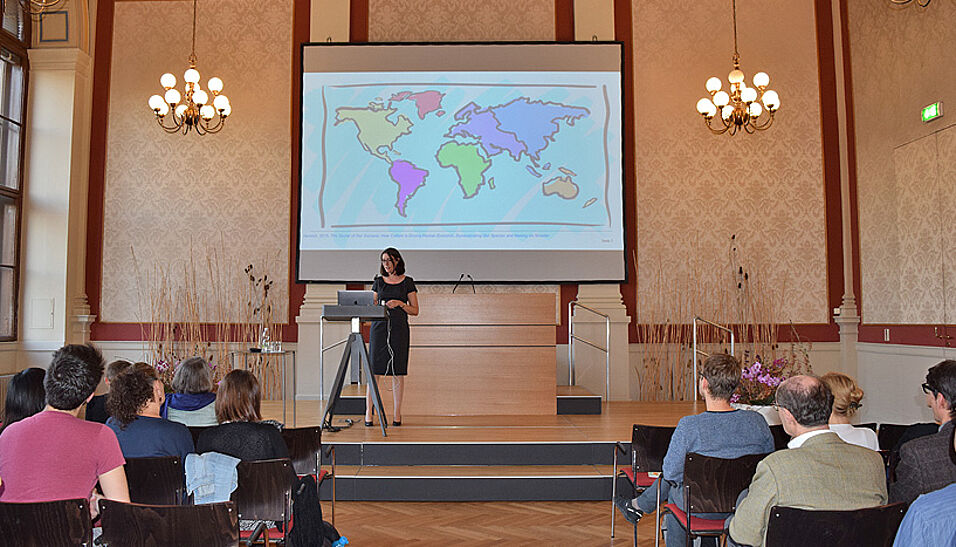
(846, 401)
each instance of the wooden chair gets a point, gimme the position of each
(155, 481)
(208, 525)
(712, 485)
(64, 522)
(305, 451)
(780, 437)
(265, 493)
(873, 526)
(648, 446)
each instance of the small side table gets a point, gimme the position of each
(285, 357)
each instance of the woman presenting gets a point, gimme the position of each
(388, 344)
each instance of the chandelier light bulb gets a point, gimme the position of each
(761, 80)
(167, 81)
(721, 98)
(713, 85)
(214, 85)
(163, 109)
(207, 112)
(200, 96)
(156, 103)
(771, 100)
(727, 112)
(736, 76)
(226, 111)
(748, 95)
(191, 76)
(180, 110)
(705, 106)
(172, 96)
(220, 102)
(755, 110)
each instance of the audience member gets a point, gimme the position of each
(25, 396)
(819, 471)
(929, 520)
(923, 465)
(54, 455)
(846, 401)
(721, 432)
(193, 402)
(135, 398)
(241, 432)
(96, 408)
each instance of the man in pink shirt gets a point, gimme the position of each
(54, 455)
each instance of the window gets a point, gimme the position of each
(14, 38)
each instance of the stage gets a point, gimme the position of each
(482, 458)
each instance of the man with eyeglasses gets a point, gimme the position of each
(818, 471)
(924, 462)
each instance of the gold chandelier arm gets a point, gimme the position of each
(766, 122)
(720, 130)
(168, 128)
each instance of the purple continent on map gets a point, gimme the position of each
(409, 179)
(426, 101)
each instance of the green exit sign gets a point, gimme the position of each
(932, 111)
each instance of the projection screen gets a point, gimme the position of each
(499, 161)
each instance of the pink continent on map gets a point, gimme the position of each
(425, 101)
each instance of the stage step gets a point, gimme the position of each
(471, 483)
(483, 454)
(571, 400)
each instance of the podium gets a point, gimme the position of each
(353, 344)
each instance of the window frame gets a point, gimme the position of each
(19, 48)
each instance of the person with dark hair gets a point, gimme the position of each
(193, 402)
(134, 402)
(25, 396)
(819, 471)
(720, 432)
(846, 401)
(922, 467)
(929, 520)
(241, 433)
(389, 340)
(96, 408)
(54, 455)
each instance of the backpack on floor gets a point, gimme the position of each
(308, 528)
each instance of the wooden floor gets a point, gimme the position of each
(485, 523)
(613, 424)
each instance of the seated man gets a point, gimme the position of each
(819, 471)
(929, 520)
(96, 408)
(924, 462)
(54, 455)
(721, 432)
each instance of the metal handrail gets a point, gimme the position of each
(606, 349)
(696, 351)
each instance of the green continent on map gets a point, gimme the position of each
(468, 162)
(375, 130)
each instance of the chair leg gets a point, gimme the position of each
(333, 485)
(613, 488)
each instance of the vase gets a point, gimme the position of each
(767, 411)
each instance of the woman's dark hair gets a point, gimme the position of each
(396, 256)
(238, 398)
(25, 396)
(192, 376)
(130, 392)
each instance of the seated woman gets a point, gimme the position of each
(846, 401)
(241, 432)
(134, 401)
(25, 396)
(193, 403)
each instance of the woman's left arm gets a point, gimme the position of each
(412, 307)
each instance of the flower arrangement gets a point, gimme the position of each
(759, 381)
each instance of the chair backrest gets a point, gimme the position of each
(780, 437)
(712, 485)
(265, 490)
(649, 445)
(870, 425)
(156, 481)
(305, 445)
(64, 522)
(873, 526)
(208, 525)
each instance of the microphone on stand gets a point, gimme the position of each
(460, 277)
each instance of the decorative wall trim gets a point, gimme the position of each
(60, 59)
(63, 25)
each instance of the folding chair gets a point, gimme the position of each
(64, 522)
(155, 481)
(208, 525)
(305, 449)
(648, 446)
(712, 485)
(265, 494)
(873, 526)
(780, 437)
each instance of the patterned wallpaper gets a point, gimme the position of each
(901, 161)
(695, 190)
(460, 20)
(222, 197)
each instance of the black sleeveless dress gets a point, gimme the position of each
(393, 333)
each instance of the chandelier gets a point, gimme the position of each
(192, 108)
(748, 108)
(920, 3)
(33, 8)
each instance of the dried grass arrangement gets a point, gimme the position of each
(207, 305)
(734, 296)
